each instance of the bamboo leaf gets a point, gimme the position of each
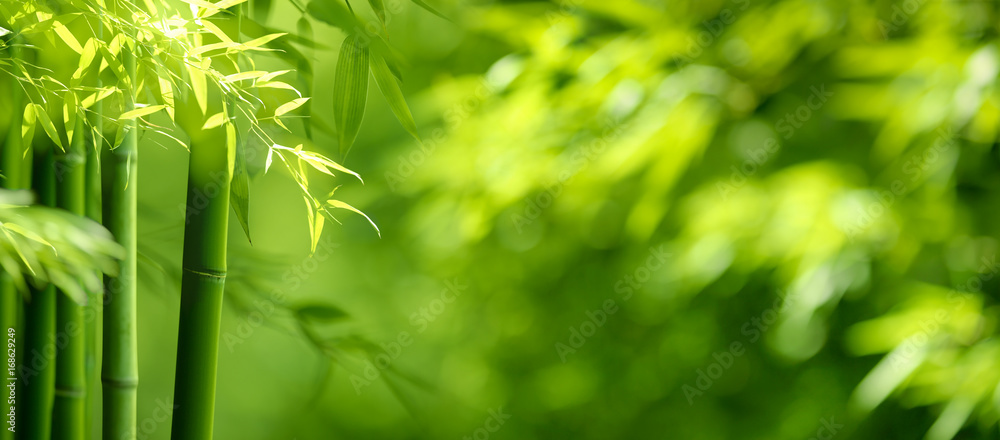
(86, 59)
(314, 221)
(47, 125)
(350, 91)
(393, 95)
(214, 121)
(70, 107)
(333, 13)
(226, 4)
(96, 97)
(239, 192)
(28, 125)
(141, 111)
(341, 205)
(64, 33)
(428, 8)
(257, 42)
(245, 75)
(214, 46)
(199, 86)
(211, 27)
(289, 106)
(272, 75)
(277, 85)
(320, 312)
(111, 59)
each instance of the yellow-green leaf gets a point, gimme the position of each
(341, 205)
(239, 190)
(141, 111)
(276, 85)
(28, 125)
(245, 75)
(64, 33)
(47, 125)
(214, 121)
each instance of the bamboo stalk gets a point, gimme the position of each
(17, 175)
(38, 372)
(202, 283)
(12, 165)
(93, 314)
(71, 389)
(120, 362)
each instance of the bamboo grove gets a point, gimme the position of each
(85, 82)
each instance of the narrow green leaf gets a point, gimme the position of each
(270, 158)
(334, 13)
(239, 190)
(272, 75)
(341, 205)
(277, 85)
(28, 126)
(350, 91)
(393, 95)
(86, 59)
(64, 33)
(257, 42)
(47, 125)
(214, 121)
(320, 312)
(428, 8)
(141, 111)
(70, 107)
(253, 74)
(289, 106)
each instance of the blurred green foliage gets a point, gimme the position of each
(634, 219)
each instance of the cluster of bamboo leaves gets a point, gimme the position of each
(185, 72)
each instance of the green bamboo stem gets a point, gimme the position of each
(38, 373)
(202, 283)
(17, 173)
(120, 361)
(94, 312)
(71, 386)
